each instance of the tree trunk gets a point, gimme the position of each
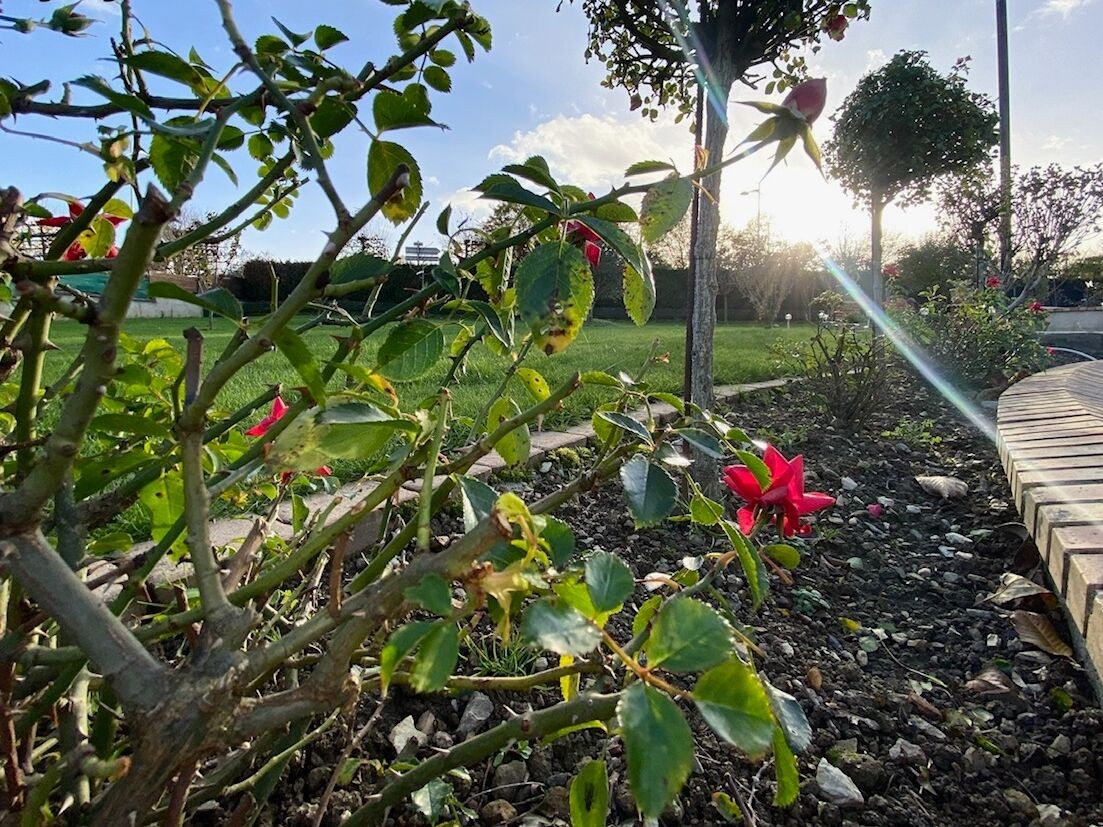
(876, 276)
(705, 287)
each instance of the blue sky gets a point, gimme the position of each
(534, 93)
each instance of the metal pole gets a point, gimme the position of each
(1005, 141)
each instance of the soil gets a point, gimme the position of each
(890, 703)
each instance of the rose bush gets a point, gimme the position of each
(123, 702)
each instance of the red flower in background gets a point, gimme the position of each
(585, 238)
(993, 283)
(279, 408)
(784, 496)
(891, 271)
(1037, 307)
(808, 98)
(75, 251)
(836, 26)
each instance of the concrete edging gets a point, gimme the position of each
(1050, 439)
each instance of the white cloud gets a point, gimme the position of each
(875, 59)
(106, 8)
(1055, 143)
(1064, 8)
(593, 151)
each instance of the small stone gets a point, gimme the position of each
(913, 509)
(541, 663)
(1020, 803)
(442, 740)
(836, 786)
(427, 722)
(848, 484)
(406, 738)
(499, 811)
(993, 641)
(905, 752)
(475, 714)
(510, 778)
(953, 538)
(862, 658)
(557, 803)
(1050, 815)
(928, 729)
(887, 502)
(1061, 745)
(787, 649)
(951, 577)
(545, 467)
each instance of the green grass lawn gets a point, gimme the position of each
(743, 354)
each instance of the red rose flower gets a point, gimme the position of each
(279, 409)
(891, 271)
(836, 26)
(993, 283)
(76, 252)
(582, 236)
(784, 496)
(1037, 307)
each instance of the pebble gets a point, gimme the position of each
(499, 811)
(406, 738)
(905, 752)
(1061, 746)
(913, 509)
(836, 786)
(545, 467)
(848, 484)
(787, 649)
(475, 714)
(510, 778)
(956, 539)
(951, 577)
(1020, 802)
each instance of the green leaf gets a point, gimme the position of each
(536, 170)
(753, 569)
(791, 718)
(172, 158)
(493, 321)
(500, 187)
(618, 212)
(639, 294)
(295, 39)
(659, 746)
(165, 64)
(394, 111)
(357, 267)
(343, 430)
(515, 446)
(811, 148)
(331, 116)
(477, 499)
(442, 57)
(757, 467)
(786, 555)
(534, 383)
(431, 799)
(401, 642)
(589, 796)
(410, 350)
(609, 581)
(732, 700)
(647, 611)
(384, 158)
(705, 511)
(785, 769)
(650, 491)
(600, 378)
(553, 625)
(98, 238)
(555, 291)
(644, 167)
(115, 206)
(443, 219)
(130, 103)
(292, 346)
(560, 539)
(627, 423)
(260, 146)
(327, 37)
(437, 78)
(220, 300)
(432, 594)
(663, 207)
(123, 423)
(436, 658)
(164, 500)
(689, 636)
(703, 441)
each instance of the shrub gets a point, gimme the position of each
(130, 706)
(975, 336)
(847, 369)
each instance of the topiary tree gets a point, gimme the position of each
(124, 703)
(659, 52)
(902, 128)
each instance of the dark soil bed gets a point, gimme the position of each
(888, 702)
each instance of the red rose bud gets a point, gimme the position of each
(808, 98)
(993, 283)
(836, 26)
(1037, 307)
(593, 253)
(891, 271)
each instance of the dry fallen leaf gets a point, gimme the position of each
(925, 708)
(815, 678)
(945, 487)
(1036, 630)
(1016, 587)
(991, 682)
